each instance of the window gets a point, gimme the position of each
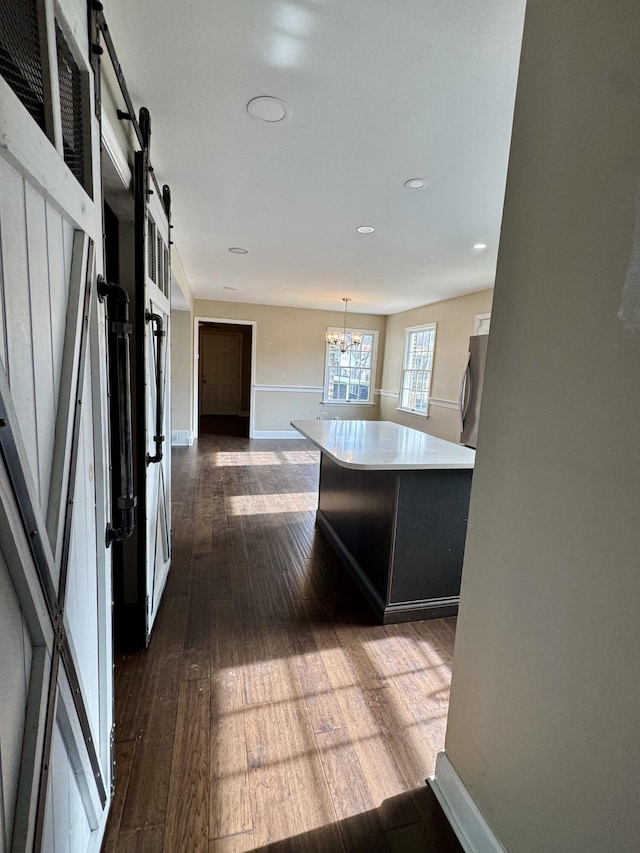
(20, 55)
(27, 56)
(482, 324)
(417, 365)
(73, 111)
(151, 250)
(350, 375)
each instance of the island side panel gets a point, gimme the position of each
(432, 513)
(359, 506)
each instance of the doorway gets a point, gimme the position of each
(224, 378)
(128, 581)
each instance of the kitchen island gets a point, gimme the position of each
(393, 502)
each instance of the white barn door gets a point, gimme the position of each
(153, 288)
(55, 572)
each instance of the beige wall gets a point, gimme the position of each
(455, 319)
(290, 358)
(544, 720)
(290, 352)
(181, 342)
(179, 280)
(111, 101)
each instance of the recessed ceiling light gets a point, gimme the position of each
(365, 229)
(269, 109)
(479, 246)
(228, 288)
(238, 250)
(415, 183)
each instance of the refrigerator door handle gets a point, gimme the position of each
(464, 397)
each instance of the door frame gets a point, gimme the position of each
(226, 321)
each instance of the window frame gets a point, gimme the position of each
(55, 33)
(327, 367)
(409, 332)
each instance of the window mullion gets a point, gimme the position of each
(50, 83)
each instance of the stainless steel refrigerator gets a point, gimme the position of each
(471, 389)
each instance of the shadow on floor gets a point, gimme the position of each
(432, 834)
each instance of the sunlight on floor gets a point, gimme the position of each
(226, 459)
(271, 504)
(300, 457)
(246, 457)
(306, 748)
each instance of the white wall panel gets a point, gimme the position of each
(58, 798)
(73, 811)
(82, 585)
(17, 307)
(3, 335)
(98, 347)
(66, 825)
(67, 247)
(58, 289)
(35, 217)
(3, 832)
(15, 664)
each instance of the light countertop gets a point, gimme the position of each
(383, 446)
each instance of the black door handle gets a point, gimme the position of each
(119, 333)
(160, 334)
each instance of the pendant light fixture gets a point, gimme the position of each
(339, 339)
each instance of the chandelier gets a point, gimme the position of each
(339, 339)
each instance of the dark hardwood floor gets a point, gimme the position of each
(269, 711)
(224, 425)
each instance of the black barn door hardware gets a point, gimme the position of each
(159, 333)
(141, 125)
(166, 201)
(120, 368)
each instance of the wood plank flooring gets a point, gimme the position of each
(269, 711)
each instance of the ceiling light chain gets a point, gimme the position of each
(339, 339)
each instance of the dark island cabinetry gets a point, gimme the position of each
(394, 504)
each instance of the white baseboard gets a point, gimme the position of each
(472, 830)
(276, 433)
(182, 438)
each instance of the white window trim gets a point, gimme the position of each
(374, 358)
(408, 329)
(478, 322)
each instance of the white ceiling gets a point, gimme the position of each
(380, 91)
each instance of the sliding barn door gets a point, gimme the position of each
(55, 572)
(153, 377)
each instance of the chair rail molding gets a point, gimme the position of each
(433, 401)
(444, 404)
(294, 389)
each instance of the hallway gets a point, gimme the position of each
(269, 712)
